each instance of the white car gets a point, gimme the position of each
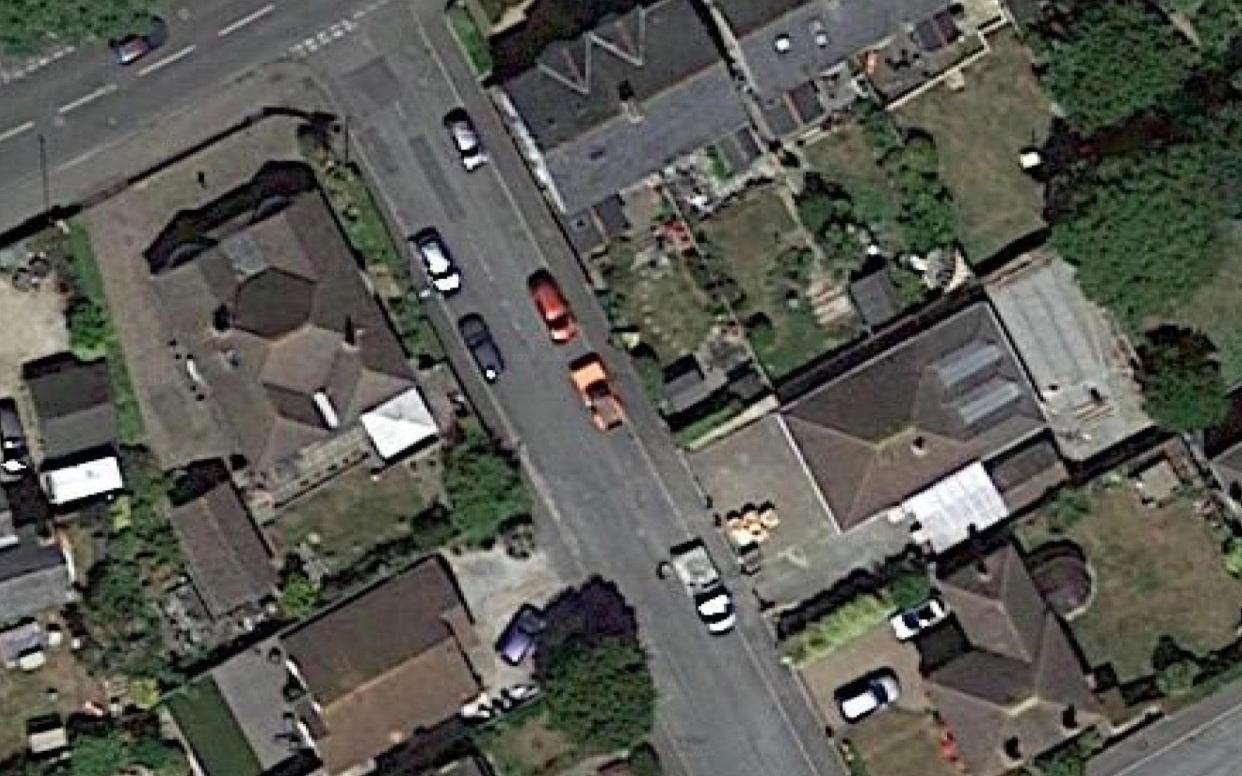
(912, 622)
(868, 695)
(465, 139)
(716, 611)
(438, 262)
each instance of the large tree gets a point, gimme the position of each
(1114, 60)
(600, 692)
(484, 485)
(1182, 386)
(1145, 229)
(27, 26)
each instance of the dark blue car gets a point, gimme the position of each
(522, 635)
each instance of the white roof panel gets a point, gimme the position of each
(953, 506)
(73, 483)
(399, 424)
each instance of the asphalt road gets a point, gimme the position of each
(65, 116)
(619, 500)
(1202, 740)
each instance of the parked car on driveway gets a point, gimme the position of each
(14, 455)
(482, 346)
(553, 309)
(519, 639)
(131, 48)
(438, 262)
(465, 139)
(864, 697)
(913, 621)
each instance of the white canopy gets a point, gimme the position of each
(83, 480)
(399, 424)
(953, 506)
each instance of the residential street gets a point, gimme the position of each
(1202, 740)
(84, 104)
(620, 499)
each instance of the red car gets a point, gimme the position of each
(553, 308)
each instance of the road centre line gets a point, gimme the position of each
(233, 27)
(168, 60)
(15, 131)
(78, 103)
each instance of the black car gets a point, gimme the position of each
(465, 139)
(14, 456)
(478, 339)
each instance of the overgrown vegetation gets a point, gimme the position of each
(643, 761)
(91, 331)
(28, 26)
(1114, 60)
(1070, 759)
(1182, 386)
(119, 609)
(579, 673)
(484, 487)
(132, 746)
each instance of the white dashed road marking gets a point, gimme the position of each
(247, 19)
(78, 103)
(15, 131)
(168, 60)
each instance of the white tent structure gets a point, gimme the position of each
(955, 506)
(399, 424)
(83, 480)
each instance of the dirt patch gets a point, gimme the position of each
(1157, 571)
(34, 327)
(528, 747)
(900, 743)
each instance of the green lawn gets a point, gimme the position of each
(1217, 310)
(353, 513)
(212, 732)
(979, 132)
(1157, 572)
(471, 39)
(749, 235)
(661, 300)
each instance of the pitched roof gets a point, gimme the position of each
(274, 312)
(227, 557)
(1020, 677)
(850, 27)
(663, 61)
(370, 635)
(387, 662)
(74, 404)
(893, 425)
(33, 578)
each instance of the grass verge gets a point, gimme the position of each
(471, 39)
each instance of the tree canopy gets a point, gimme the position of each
(27, 26)
(1144, 230)
(1114, 60)
(1182, 386)
(484, 485)
(600, 693)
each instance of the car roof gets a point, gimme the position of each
(859, 704)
